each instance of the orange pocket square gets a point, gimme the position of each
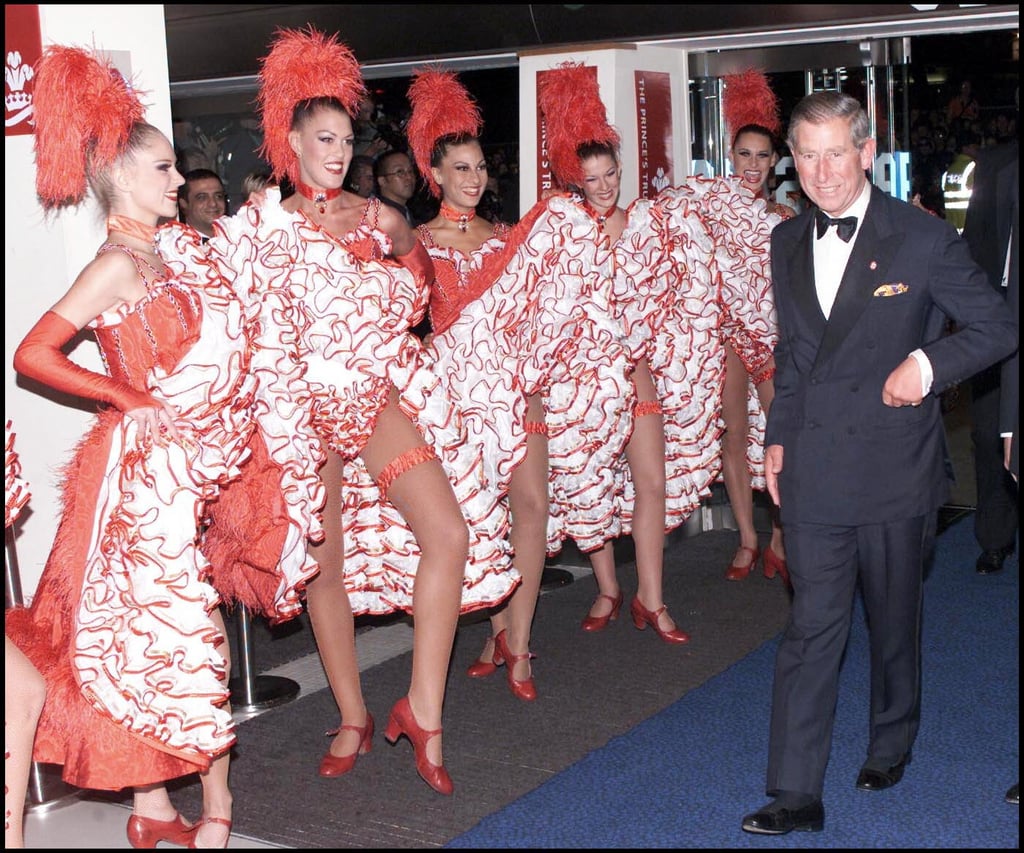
(894, 289)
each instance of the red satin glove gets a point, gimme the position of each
(417, 260)
(39, 356)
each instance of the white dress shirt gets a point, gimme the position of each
(831, 256)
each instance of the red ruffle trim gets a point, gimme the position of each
(492, 267)
(248, 524)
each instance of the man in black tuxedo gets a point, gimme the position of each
(1009, 401)
(1009, 397)
(987, 231)
(856, 452)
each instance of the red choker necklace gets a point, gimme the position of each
(600, 217)
(133, 228)
(457, 216)
(318, 197)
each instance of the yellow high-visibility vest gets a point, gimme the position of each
(957, 183)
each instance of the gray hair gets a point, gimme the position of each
(820, 107)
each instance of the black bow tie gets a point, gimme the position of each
(846, 226)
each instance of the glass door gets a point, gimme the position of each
(873, 72)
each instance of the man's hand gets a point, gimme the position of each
(772, 468)
(903, 387)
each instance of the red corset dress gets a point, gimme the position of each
(120, 625)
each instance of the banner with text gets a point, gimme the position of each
(653, 97)
(23, 45)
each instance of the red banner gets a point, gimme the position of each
(545, 178)
(545, 181)
(23, 46)
(653, 95)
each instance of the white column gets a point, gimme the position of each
(646, 92)
(42, 255)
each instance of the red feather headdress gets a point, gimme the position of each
(573, 114)
(302, 64)
(440, 106)
(749, 99)
(85, 111)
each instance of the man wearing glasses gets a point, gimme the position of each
(396, 181)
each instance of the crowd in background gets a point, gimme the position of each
(229, 146)
(944, 131)
(955, 124)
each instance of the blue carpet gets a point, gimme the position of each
(685, 777)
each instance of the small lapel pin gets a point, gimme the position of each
(873, 265)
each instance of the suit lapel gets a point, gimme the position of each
(1006, 187)
(876, 245)
(1014, 225)
(805, 294)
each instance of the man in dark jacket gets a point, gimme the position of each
(856, 452)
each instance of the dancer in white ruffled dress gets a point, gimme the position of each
(511, 308)
(124, 624)
(352, 411)
(750, 324)
(24, 688)
(672, 255)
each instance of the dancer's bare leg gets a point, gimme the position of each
(735, 469)
(530, 505)
(645, 454)
(602, 561)
(217, 799)
(153, 801)
(24, 694)
(330, 614)
(423, 495)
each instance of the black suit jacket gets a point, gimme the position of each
(848, 458)
(1009, 400)
(401, 208)
(993, 222)
(993, 211)
(1010, 384)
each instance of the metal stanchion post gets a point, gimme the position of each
(250, 692)
(46, 790)
(12, 580)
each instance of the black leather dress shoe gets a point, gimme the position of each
(872, 778)
(777, 820)
(1013, 795)
(991, 560)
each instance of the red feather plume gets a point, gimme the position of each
(573, 114)
(302, 64)
(84, 108)
(440, 106)
(749, 99)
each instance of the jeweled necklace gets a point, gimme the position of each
(133, 228)
(318, 197)
(461, 219)
(600, 217)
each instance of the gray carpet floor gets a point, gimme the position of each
(592, 688)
